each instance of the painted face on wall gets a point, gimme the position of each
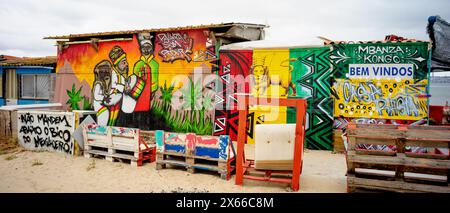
(147, 49)
(123, 66)
(259, 72)
(145, 44)
(103, 72)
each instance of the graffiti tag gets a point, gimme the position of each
(369, 98)
(175, 46)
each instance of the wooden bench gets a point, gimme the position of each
(195, 152)
(119, 143)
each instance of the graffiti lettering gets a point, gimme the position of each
(401, 105)
(393, 100)
(51, 143)
(380, 50)
(30, 130)
(175, 46)
(47, 120)
(50, 131)
(380, 54)
(26, 139)
(26, 118)
(366, 92)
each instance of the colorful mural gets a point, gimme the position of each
(415, 53)
(269, 77)
(173, 81)
(134, 83)
(234, 64)
(311, 73)
(389, 99)
(380, 81)
(281, 73)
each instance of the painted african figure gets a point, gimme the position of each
(131, 87)
(146, 68)
(106, 98)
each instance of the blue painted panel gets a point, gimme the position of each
(159, 136)
(2, 102)
(33, 70)
(176, 148)
(205, 151)
(223, 142)
(30, 101)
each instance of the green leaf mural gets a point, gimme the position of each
(74, 97)
(87, 105)
(192, 118)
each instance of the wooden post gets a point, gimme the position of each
(240, 146)
(298, 147)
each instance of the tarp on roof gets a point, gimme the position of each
(439, 32)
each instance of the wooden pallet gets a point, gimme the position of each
(398, 170)
(113, 155)
(193, 163)
(117, 143)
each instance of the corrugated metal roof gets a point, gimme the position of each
(128, 32)
(6, 60)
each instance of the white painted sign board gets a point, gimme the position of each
(46, 130)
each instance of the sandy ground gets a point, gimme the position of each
(19, 172)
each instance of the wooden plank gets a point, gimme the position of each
(174, 162)
(427, 155)
(376, 132)
(376, 126)
(398, 161)
(192, 156)
(427, 134)
(398, 186)
(422, 170)
(375, 152)
(116, 155)
(428, 128)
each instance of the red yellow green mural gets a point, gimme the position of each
(127, 81)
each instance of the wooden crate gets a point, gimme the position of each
(195, 152)
(397, 169)
(117, 143)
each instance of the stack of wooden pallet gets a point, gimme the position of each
(398, 158)
(193, 152)
(118, 143)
